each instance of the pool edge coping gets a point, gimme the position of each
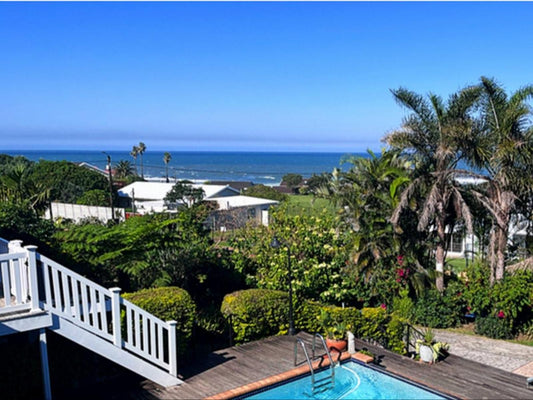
(290, 374)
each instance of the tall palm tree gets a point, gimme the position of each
(368, 193)
(166, 159)
(134, 153)
(506, 154)
(433, 135)
(141, 149)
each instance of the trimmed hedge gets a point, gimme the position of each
(169, 303)
(258, 313)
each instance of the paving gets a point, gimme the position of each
(512, 357)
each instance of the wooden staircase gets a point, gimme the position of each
(38, 293)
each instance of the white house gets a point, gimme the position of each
(234, 210)
(149, 196)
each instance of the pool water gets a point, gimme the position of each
(352, 381)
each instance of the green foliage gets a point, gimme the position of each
(437, 310)
(153, 250)
(317, 255)
(168, 304)
(19, 221)
(265, 192)
(256, 313)
(493, 327)
(67, 180)
(124, 169)
(291, 180)
(94, 197)
(317, 181)
(403, 305)
(513, 296)
(184, 193)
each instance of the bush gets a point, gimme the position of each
(493, 327)
(256, 313)
(437, 310)
(169, 303)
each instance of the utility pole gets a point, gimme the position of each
(110, 185)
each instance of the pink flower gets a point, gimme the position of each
(501, 314)
(468, 308)
(400, 260)
(384, 306)
(398, 280)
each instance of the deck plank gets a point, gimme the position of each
(234, 367)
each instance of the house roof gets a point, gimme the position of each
(158, 190)
(225, 203)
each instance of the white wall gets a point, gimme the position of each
(77, 212)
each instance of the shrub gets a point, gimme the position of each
(256, 313)
(493, 327)
(437, 310)
(168, 303)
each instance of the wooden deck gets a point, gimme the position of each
(237, 366)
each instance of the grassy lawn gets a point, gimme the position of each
(307, 204)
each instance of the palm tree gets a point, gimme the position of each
(17, 186)
(134, 153)
(506, 154)
(166, 159)
(141, 149)
(123, 169)
(433, 135)
(368, 194)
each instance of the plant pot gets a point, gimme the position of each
(426, 353)
(338, 345)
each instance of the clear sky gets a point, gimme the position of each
(303, 76)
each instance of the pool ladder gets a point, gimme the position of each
(323, 382)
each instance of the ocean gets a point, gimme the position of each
(265, 168)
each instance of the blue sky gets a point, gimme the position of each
(303, 76)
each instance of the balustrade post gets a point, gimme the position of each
(32, 267)
(115, 316)
(172, 348)
(15, 246)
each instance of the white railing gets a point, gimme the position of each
(98, 310)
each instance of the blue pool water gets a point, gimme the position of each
(352, 381)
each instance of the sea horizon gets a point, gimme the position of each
(266, 167)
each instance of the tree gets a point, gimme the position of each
(292, 180)
(123, 169)
(317, 181)
(368, 193)
(166, 159)
(141, 149)
(18, 187)
(67, 181)
(134, 153)
(433, 135)
(95, 197)
(184, 193)
(505, 151)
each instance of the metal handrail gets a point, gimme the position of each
(299, 340)
(331, 365)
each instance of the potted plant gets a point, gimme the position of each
(334, 331)
(428, 349)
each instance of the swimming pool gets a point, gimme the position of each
(352, 381)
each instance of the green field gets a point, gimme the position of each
(307, 204)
